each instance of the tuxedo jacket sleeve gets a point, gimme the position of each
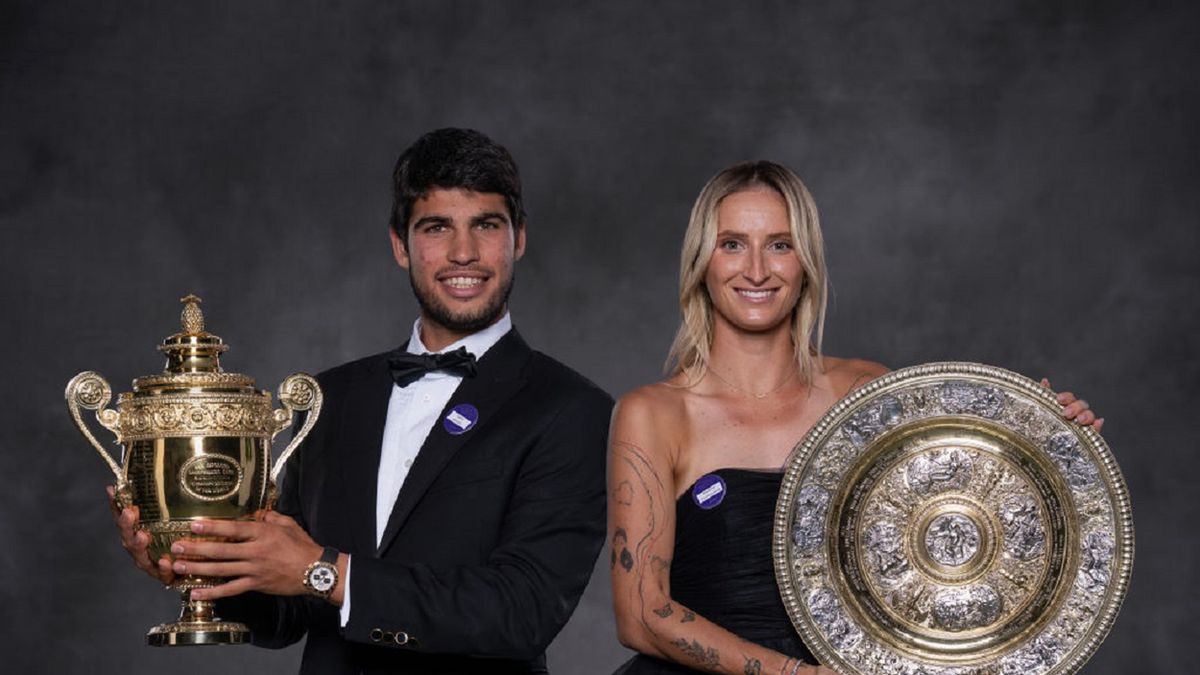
(495, 532)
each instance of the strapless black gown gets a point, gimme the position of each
(722, 568)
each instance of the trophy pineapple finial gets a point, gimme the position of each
(192, 318)
(192, 350)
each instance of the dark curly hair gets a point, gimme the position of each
(453, 158)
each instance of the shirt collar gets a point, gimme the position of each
(477, 343)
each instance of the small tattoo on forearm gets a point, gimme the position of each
(620, 550)
(753, 666)
(665, 611)
(623, 495)
(688, 616)
(705, 656)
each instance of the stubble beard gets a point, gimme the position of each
(461, 322)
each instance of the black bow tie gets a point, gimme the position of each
(408, 368)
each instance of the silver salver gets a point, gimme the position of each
(946, 519)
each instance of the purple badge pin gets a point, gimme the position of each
(709, 491)
(460, 419)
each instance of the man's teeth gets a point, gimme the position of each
(463, 282)
(757, 295)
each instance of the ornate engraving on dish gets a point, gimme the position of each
(946, 520)
(885, 553)
(1064, 448)
(868, 423)
(828, 614)
(1097, 553)
(938, 471)
(1024, 536)
(952, 539)
(958, 609)
(809, 530)
(975, 399)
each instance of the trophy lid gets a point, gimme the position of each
(193, 356)
(192, 350)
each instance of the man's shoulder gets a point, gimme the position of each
(352, 371)
(548, 372)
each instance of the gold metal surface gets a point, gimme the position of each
(197, 444)
(947, 520)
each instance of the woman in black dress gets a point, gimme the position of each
(696, 460)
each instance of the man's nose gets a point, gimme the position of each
(463, 248)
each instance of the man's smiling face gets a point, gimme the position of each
(460, 253)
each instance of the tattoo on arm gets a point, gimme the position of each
(645, 483)
(623, 495)
(665, 611)
(753, 666)
(620, 550)
(705, 656)
(688, 616)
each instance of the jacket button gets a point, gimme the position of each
(401, 638)
(376, 635)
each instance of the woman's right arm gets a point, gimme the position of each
(641, 532)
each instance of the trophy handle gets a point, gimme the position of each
(298, 392)
(88, 390)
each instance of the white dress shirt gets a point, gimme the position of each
(412, 412)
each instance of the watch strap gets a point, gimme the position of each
(329, 555)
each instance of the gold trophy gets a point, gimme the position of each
(197, 444)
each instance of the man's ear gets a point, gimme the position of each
(399, 249)
(519, 241)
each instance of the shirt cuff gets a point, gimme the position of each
(344, 610)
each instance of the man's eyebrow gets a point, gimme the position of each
(430, 220)
(490, 215)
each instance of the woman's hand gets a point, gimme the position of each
(1076, 409)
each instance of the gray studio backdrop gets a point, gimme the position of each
(1006, 182)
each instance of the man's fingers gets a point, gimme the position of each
(163, 570)
(230, 529)
(209, 550)
(205, 568)
(225, 590)
(276, 518)
(1097, 424)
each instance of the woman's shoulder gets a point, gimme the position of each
(845, 375)
(653, 414)
(654, 399)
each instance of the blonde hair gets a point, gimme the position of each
(690, 351)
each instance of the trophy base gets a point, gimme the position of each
(189, 633)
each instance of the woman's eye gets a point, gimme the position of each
(729, 245)
(781, 246)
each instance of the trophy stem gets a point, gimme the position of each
(198, 623)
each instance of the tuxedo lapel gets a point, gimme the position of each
(362, 432)
(498, 377)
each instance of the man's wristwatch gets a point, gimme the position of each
(321, 577)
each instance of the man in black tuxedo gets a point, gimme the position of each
(445, 512)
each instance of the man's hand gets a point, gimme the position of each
(268, 555)
(137, 542)
(1076, 409)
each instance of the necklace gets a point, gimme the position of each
(763, 395)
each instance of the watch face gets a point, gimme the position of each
(322, 578)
